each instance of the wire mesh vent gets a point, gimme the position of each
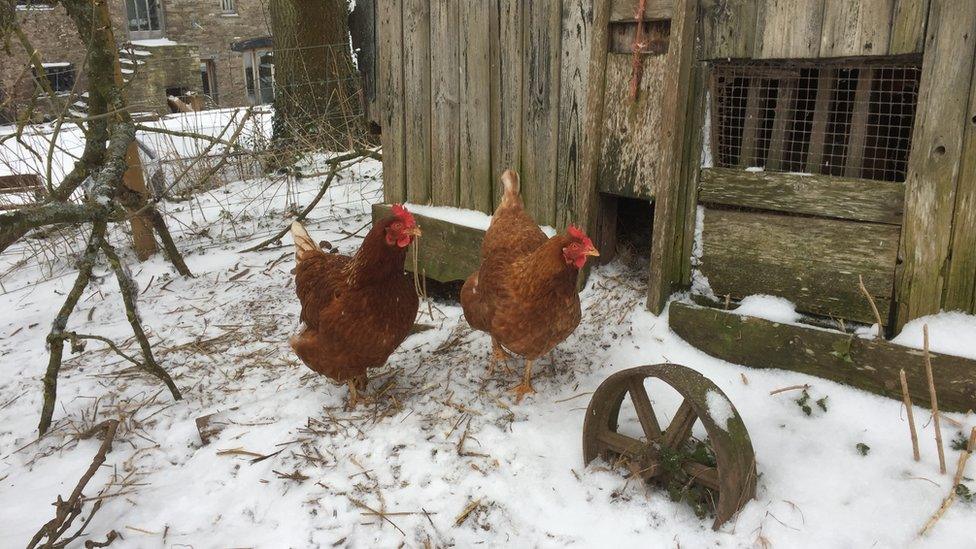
(850, 118)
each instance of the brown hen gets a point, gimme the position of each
(524, 294)
(356, 310)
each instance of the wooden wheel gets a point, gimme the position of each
(733, 475)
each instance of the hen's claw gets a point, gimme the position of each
(498, 356)
(524, 388)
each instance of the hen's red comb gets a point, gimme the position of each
(574, 232)
(402, 214)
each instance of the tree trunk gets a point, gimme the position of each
(317, 101)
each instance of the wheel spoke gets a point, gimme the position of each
(648, 421)
(621, 444)
(702, 474)
(680, 428)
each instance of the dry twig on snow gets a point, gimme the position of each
(907, 399)
(935, 400)
(956, 480)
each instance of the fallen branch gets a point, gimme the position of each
(935, 399)
(907, 399)
(956, 480)
(67, 511)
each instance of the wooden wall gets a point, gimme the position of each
(472, 87)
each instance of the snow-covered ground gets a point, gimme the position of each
(440, 436)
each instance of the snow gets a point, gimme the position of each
(154, 42)
(773, 308)
(465, 218)
(719, 408)
(755, 169)
(950, 333)
(441, 436)
(59, 64)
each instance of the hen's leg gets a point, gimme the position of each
(498, 355)
(525, 387)
(356, 386)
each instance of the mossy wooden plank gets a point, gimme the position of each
(789, 29)
(390, 53)
(690, 171)
(961, 277)
(813, 262)
(819, 195)
(728, 28)
(506, 90)
(908, 26)
(934, 162)
(445, 104)
(416, 99)
(871, 365)
(447, 251)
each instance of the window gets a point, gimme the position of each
(145, 18)
(850, 118)
(259, 76)
(61, 76)
(228, 6)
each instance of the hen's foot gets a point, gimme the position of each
(498, 356)
(357, 386)
(524, 388)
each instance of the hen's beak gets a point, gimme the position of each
(593, 252)
(413, 231)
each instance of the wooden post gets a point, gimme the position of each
(934, 163)
(133, 179)
(586, 203)
(667, 197)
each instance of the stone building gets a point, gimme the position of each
(217, 49)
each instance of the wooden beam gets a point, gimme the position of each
(934, 162)
(390, 93)
(821, 111)
(750, 124)
(820, 195)
(665, 272)
(813, 262)
(869, 364)
(690, 170)
(782, 120)
(859, 123)
(448, 251)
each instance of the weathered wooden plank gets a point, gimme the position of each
(540, 108)
(782, 120)
(445, 107)
(856, 27)
(750, 125)
(625, 10)
(728, 28)
(577, 18)
(666, 237)
(390, 50)
(859, 123)
(506, 90)
(789, 28)
(908, 26)
(961, 279)
(821, 110)
(868, 364)
(933, 165)
(416, 99)
(447, 251)
(691, 166)
(811, 261)
(819, 195)
(605, 233)
(587, 196)
(632, 133)
(475, 88)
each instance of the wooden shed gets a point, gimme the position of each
(818, 142)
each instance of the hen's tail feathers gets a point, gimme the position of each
(304, 245)
(512, 186)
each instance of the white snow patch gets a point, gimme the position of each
(950, 333)
(460, 216)
(719, 408)
(154, 42)
(755, 169)
(699, 282)
(773, 308)
(706, 151)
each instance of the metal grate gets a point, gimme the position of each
(850, 118)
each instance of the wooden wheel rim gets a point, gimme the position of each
(735, 474)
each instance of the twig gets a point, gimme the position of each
(67, 511)
(790, 388)
(907, 399)
(956, 480)
(463, 515)
(935, 399)
(874, 308)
